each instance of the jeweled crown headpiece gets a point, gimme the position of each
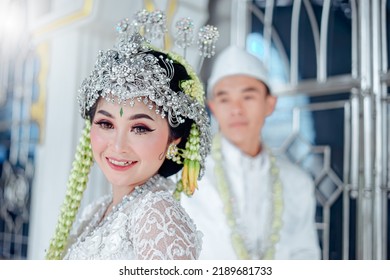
(134, 71)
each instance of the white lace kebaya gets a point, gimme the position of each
(146, 224)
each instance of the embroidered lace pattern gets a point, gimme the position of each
(147, 224)
(237, 236)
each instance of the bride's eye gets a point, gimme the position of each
(104, 124)
(141, 129)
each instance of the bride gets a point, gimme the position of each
(145, 121)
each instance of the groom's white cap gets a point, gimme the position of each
(236, 61)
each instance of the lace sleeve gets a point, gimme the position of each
(163, 230)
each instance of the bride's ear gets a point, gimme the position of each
(176, 141)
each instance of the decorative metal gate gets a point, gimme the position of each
(335, 54)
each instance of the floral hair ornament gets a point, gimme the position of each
(129, 73)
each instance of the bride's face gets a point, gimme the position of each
(129, 143)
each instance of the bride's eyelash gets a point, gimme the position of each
(104, 124)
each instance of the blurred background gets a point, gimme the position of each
(329, 64)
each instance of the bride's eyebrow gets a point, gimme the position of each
(140, 116)
(105, 113)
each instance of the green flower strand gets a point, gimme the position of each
(226, 197)
(179, 188)
(77, 183)
(189, 156)
(191, 151)
(193, 89)
(223, 189)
